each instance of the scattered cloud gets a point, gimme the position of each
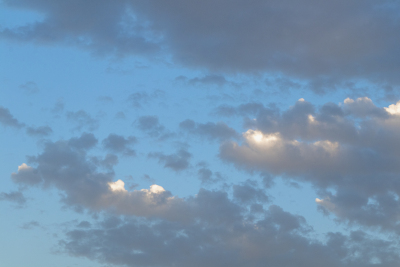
(6, 119)
(82, 120)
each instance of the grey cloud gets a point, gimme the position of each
(178, 161)
(119, 144)
(277, 239)
(40, 131)
(152, 126)
(29, 87)
(8, 120)
(207, 80)
(105, 99)
(352, 149)
(58, 107)
(30, 225)
(219, 131)
(120, 115)
(249, 192)
(105, 27)
(82, 120)
(324, 43)
(142, 98)
(206, 176)
(16, 197)
(85, 141)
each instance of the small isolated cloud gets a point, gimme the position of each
(142, 98)
(58, 107)
(82, 120)
(120, 115)
(15, 197)
(29, 87)
(119, 144)
(30, 225)
(151, 126)
(210, 130)
(177, 161)
(40, 131)
(6, 119)
(207, 81)
(105, 99)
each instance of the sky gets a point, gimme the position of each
(199, 133)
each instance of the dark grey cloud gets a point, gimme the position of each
(210, 130)
(40, 131)
(119, 144)
(324, 43)
(177, 161)
(82, 120)
(350, 148)
(7, 119)
(15, 197)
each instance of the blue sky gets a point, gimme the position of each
(199, 133)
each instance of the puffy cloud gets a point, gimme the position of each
(8, 120)
(351, 148)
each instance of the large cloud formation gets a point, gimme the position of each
(324, 41)
(151, 227)
(351, 148)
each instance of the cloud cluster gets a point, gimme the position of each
(213, 227)
(352, 148)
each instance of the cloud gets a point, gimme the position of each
(142, 98)
(8, 120)
(324, 43)
(102, 28)
(212, 228)
(40, 131)
(16, 197)
(29, 87)
(278, 238)
(350, 148)
(119, 144)
(210, 130)
(82, 120)
(152, 126)
(30, 225)
(178, 161)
